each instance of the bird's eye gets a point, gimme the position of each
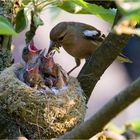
(61, 38)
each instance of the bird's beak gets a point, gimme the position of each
(53, 46)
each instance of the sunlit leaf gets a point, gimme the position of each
(21, 21)
(37, 21)
(130, 9)
(26, 2)
(114, 128)
(128, 6)
(135, 15)
(72, 7)
(134, 125)
(6, 27)
(81, 7)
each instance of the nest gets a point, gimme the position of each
(52, 114)
(5, 58)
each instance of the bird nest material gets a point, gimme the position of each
(52, 114)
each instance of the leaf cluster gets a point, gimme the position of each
(29, 14)
(130, 10)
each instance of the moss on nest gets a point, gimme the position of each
(5, 58)
(53, 114)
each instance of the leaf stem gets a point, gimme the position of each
(5, 43)
(44, 4)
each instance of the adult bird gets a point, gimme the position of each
(80, 40)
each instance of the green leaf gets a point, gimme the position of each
(134, 125)
(130, 9)
(81, 7)
(133, 15)
(111, 126)
(72, 7)
(6, 27)
(21, 21)
(26, 2)
(37, 21)
(128, 6)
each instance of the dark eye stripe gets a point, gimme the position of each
(61, 38)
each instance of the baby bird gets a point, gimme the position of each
(47, 65)
(30, 52)
(78, 39)
(53, 73)
(48, 69)
(32, 77)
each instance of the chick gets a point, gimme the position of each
(53, 73)
(50, 81)
(30, 52)
(47, 65)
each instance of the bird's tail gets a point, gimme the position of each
(122, 58)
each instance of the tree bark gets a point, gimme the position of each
(96, 123)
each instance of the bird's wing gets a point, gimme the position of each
(94, 35)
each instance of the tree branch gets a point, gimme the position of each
(96, 123)
(101, 59)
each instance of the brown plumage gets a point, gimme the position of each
(47, 65)
(53, 73)
(80, 40)
(32, 77)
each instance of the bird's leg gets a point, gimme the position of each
(78, 62)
